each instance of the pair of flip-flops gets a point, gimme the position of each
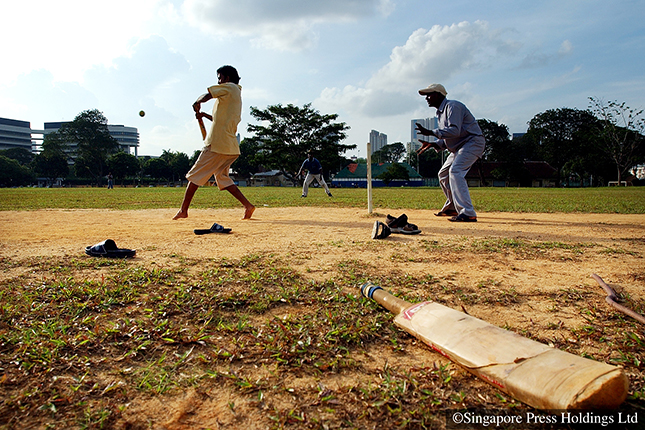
(108, 249)
(215, 228)
(401, 225)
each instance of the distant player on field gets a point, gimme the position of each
(314, 171)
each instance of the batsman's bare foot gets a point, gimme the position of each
(180, 215)
(248, 213)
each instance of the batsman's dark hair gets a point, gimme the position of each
(230, 72)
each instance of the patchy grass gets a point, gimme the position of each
(86, 343)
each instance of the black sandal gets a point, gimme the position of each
(447, 212)
(463, 218)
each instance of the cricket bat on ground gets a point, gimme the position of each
(531, 372)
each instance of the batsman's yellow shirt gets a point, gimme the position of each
(227, 114)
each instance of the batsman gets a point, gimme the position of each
(221, 148)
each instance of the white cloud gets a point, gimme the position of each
(150, 62)
(428, 56)
(149, 76)
(68, 36)
(32, 96)
(538, 58)
(278, 24)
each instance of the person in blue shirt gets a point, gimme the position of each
(314, 171)
(458, 133)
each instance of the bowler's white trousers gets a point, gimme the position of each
(452, 179)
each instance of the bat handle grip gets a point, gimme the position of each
(387, 300)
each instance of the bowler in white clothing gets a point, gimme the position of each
(459, 133)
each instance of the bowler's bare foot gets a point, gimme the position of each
(181, 214)
(248, 213)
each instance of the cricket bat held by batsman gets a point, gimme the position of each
(531, 372)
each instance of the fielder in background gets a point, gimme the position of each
(314, 171)
(220, 145)
(459, 133)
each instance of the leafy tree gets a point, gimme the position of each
(291, 132)
(94, 144)
(622, 134)
(497, 138)
(23, 156)
(53, 161)
(157, 168)
(51, 165)
(57, 142)
(391, 153)
(394, 171)
(123, 165)
(247, 164)
(561, 135)
(12, 174)
(195, 156)
(178, 164)
(511, 154)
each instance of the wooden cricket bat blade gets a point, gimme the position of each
(531, 372)
(202, 127)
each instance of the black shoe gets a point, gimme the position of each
(303, 195)
(463, 218)
(329, 194)
(447, 212)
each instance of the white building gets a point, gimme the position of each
(19, 134)
(15, 134)
(128, 137)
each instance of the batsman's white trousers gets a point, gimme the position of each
(309, 179)
(452, 179)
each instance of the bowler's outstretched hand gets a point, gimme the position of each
(422, 130)
(427, 145)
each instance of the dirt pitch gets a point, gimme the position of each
(523, 264)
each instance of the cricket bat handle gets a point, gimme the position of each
(387, 300)
(531, 372)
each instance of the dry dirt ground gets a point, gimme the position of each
(565, 249)
(317, 239)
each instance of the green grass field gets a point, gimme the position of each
(630, 200)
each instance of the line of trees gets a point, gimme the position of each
(281, 141)
(84, 151)
(599, 144)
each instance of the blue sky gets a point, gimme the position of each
(362, 59)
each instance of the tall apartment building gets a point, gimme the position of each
(429, 123)
(15, 134)
(414, 145)
(378, 140)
